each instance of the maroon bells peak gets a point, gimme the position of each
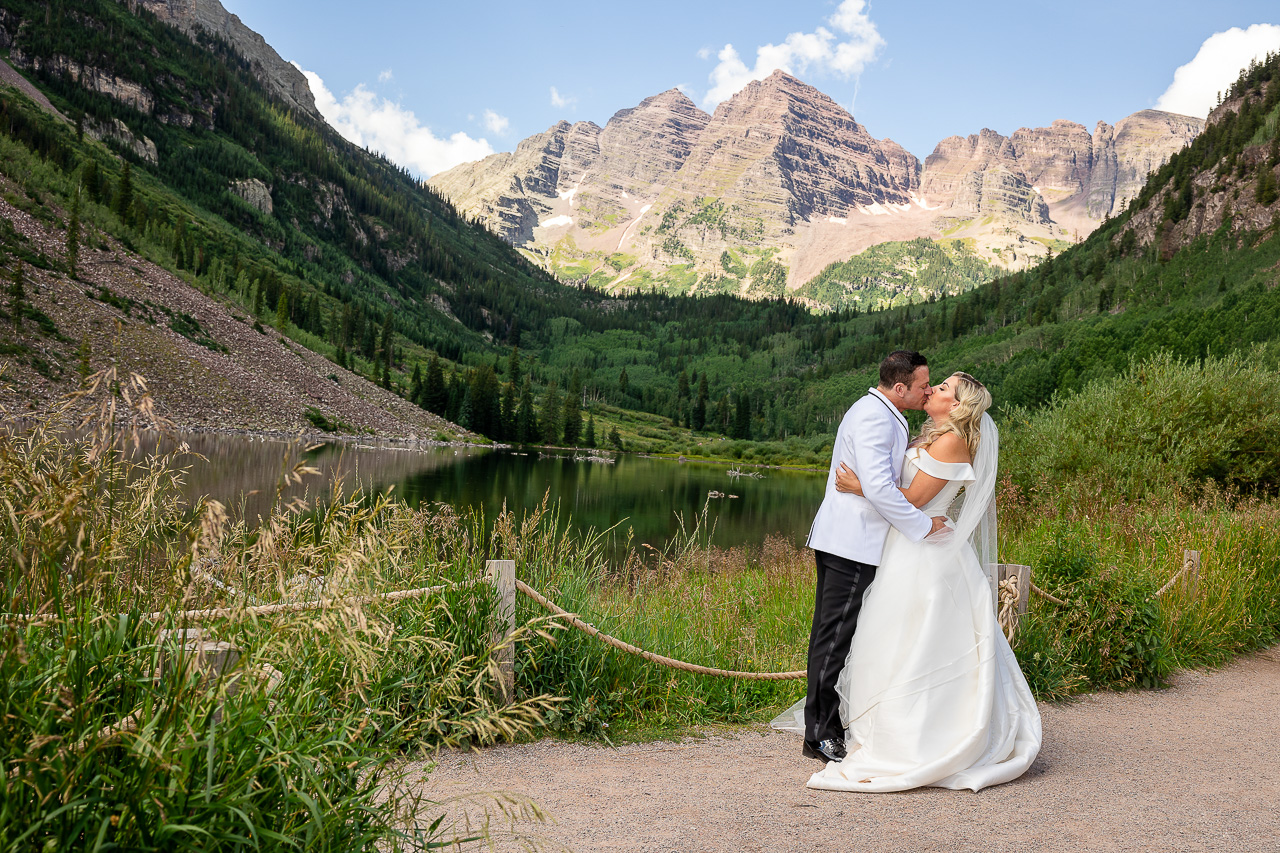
(782, 178)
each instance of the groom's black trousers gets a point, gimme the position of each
(841, 583)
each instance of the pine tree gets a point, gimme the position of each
(573, 411)
(615, 440)
(486, 414)
(742, 418)
(526, 423)
(122, 204)
(589, 438)
(623, 382)
(415, 385)
(549, 417)
(282, 311)
(698, 418)
(456, 392)
(435, 395)
(1266, 194)
(509, 404)
(513, 368)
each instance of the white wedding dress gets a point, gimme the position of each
(931, 694)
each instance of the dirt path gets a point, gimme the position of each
(1195, 767)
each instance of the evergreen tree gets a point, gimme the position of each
(573, 411)
(742, 418)
(465, 410)
(73, 236)
(486, 414)
(589, 438)
(122, 204)
(282, 312)
(456, 392)
(435, 395)
(623, 382)
(526, 427)
(513, 368)
(549, 416)
(1266, 193)
(698, 418)
(415, 384)
(615, 440)
(509, 404)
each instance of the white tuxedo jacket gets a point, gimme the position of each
(872, 440)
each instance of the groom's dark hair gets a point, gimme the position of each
(900, 366)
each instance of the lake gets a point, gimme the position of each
(648, 495)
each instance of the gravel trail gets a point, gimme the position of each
(1191, 768)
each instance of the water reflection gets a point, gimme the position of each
(643, 494)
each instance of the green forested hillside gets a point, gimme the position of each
(899, 273)
(360, 262)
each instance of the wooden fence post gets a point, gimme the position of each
(1191, 572)
(502, 574)
(1023, 573)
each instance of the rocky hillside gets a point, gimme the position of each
(1228, 181)
(781, 182)
(209, 364)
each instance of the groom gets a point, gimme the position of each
(849, 531)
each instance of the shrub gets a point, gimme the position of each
(1164, 427)
(1109, 634)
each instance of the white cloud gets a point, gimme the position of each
(496, 123)
(845, 52)
(1196, 85)
(562, 101)
(386, 76)
(384, 126)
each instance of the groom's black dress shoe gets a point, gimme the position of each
(831, 749)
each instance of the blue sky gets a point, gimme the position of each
(433, 84)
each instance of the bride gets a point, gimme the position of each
(931, 694)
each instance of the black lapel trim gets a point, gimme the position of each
(896, 415)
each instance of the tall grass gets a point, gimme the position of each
(108, 744)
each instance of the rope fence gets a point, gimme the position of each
(1011, 586)
(622, 645)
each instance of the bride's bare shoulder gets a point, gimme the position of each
(949, 447)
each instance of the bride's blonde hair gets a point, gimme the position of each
(972, 400)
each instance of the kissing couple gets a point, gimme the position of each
(911, 681)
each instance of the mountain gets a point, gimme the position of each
(781, 182)
(209, 17)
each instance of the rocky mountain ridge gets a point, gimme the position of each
(782, 181)
(281, 77)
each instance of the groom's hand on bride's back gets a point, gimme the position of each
(939, 523)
